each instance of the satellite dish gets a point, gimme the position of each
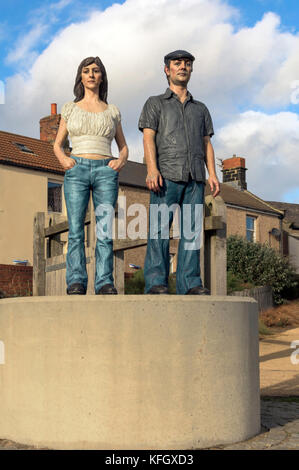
(276, 233)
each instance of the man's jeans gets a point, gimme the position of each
(189, 196)
(102, 180)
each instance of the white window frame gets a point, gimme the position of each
(50, 180)
(253, 231)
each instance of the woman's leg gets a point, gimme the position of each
(76, 193)
(104, 194)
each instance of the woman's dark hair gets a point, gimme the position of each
(79, 87)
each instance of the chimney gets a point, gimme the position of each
(49, 127)
(233, 170)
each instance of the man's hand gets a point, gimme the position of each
(214, 185)
(210, 162)
(154, 180)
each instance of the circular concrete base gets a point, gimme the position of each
(129, 372)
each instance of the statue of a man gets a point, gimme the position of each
(176, 135)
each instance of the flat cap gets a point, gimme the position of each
(178, 55)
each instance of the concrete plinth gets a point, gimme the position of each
(129, 372)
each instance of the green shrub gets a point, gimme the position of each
(260, 265)
(172, 284)
(263, 330)
(292, 292)
(135, 285)
(235, 283)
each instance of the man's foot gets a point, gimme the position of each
(107, 289)
(198, 290)
(76, 289)
(158, 290)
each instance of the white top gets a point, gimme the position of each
(91, 132)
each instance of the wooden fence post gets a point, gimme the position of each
(39, 262)
(119, 275)
(55, 244)
(215, 246)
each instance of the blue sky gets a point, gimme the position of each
(18, 16)
(247, 61)
(253, 10)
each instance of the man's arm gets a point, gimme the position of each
(210, 163)
(154, 178)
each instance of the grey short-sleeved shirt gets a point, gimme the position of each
(180, 131)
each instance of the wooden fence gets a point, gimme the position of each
(263, 296)
(49, 262)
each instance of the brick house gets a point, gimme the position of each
(290, 230)
(247, 214)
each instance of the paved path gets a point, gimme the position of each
(279, 382)
(279, 379)
(278, 375)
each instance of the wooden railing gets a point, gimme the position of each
(49, 262)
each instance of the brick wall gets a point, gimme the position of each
(236, 225)
(49, 127)
(233, 170)
(16, 280)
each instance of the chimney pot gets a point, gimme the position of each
(233, 170)
(234, 162)
(49, 127)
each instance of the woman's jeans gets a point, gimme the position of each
(85, 176)
(188, 199)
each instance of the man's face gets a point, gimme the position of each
(179, 71)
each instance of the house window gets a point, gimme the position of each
(171, 263)
(23, 148)
(251, 228)
(54, 197)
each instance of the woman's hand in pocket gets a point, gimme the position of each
(117, 164)
(68, 163)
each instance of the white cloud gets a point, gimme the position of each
(234, 69)
(2, 92)
(269, 143)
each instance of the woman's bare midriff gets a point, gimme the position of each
(92, 156)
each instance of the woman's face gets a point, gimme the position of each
(91, 76)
